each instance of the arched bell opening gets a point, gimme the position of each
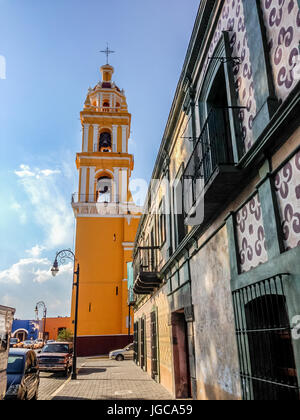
(104, 190)
(105, 142)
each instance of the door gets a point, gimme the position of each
(135, 342)
(181, 356)
(154, 348)
(143, 344)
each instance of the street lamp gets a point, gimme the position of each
(62, 257)
(42, 305)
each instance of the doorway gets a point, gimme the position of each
(21, 335)
(181, 355)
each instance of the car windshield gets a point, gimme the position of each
(15, 364)
(56, 348)
(128, 347)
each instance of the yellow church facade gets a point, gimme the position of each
(106, 219)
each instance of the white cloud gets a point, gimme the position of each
(25, 172)
(15, 206)
(35, 251)
(22, 269)
(30, 280)
(49, 172)
(51, 209)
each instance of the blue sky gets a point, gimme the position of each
(51, 49)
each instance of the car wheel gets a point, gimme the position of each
(120, 358)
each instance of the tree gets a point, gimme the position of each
(65, 335)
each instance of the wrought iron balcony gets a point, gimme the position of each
(145, 270)
(211, 174)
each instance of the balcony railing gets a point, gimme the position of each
(209, 172)
(93, 204)
(105, 109)
(145, 269)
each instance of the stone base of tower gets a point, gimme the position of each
(101, 345)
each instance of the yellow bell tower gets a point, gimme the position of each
(106, 219)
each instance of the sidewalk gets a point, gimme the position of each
(110, 380)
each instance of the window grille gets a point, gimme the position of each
(264, 338)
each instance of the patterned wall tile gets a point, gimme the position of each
(287, 184)
(251, 236)
(232, 20)
(282, 21)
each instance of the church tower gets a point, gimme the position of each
(106, 219)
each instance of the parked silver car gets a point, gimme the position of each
(122, 354)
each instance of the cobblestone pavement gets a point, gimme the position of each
(49, 383)
(111, 380)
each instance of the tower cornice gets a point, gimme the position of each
(98, 159)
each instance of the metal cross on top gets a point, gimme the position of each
(107, 52)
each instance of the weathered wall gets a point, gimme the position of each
(164, 336)
(217, 368)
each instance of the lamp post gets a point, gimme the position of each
(41, 304)
(62, 257)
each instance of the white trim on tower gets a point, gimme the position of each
(124, 138)
(116, 184)
(83, 183)
(92, 183)
(124, 185)
(86, 128)
(115, 138)
(95, 137)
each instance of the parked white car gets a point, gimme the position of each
(122, 354)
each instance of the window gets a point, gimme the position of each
(162, 224)
(15, 365)
(56, 348)
(179, 225)
(267, 363)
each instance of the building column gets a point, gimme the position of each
(92, 197)
(86, 128)
(82, 197)
(115, 138)
(124, 185)
(116, 184)
(271, 218)
(124, 138)
(95, 138)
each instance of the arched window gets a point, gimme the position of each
(106, 106)
(104, 187)
(105, 142)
